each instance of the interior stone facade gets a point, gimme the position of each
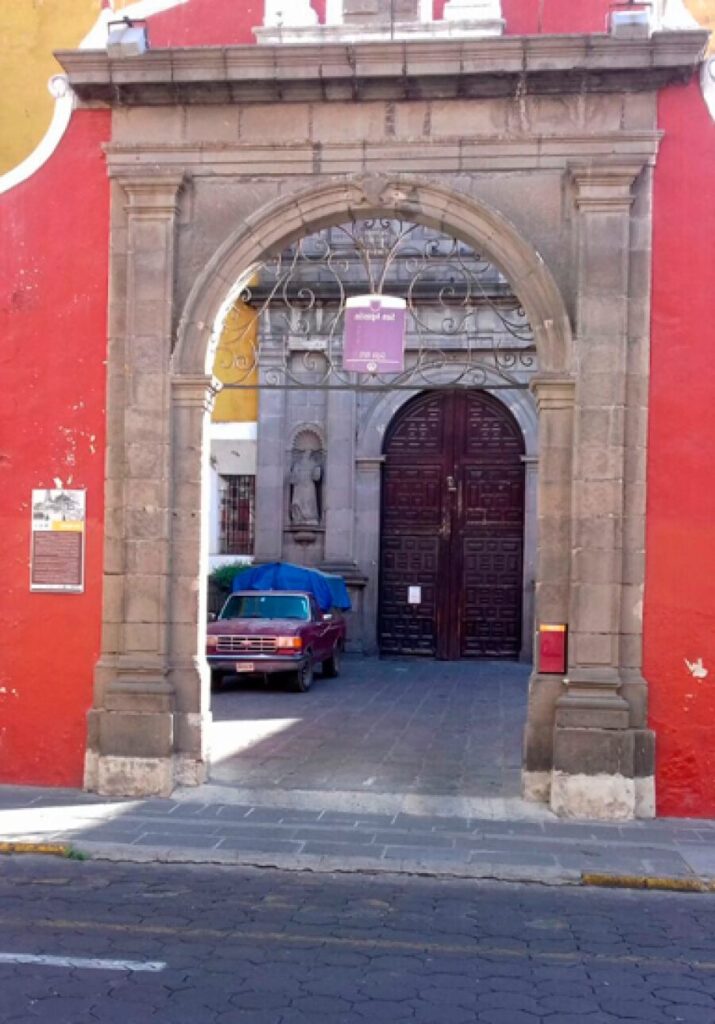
(538, 153)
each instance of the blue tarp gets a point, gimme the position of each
(328, 590)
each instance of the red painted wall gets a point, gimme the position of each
(680, 576)
(53, 286)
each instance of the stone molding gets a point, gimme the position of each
(299, 157)
(193, 391)
(150, 196)
(553, 392)
(491, 67)
(604, 187)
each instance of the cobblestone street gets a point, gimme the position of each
(232, 946)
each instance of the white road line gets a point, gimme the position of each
(83, 962)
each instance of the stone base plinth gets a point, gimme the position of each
(140, 777)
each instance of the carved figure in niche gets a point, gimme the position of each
(306, 473)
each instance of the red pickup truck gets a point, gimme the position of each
(263, 632)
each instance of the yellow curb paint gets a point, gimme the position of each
(50, 849)
(646, 882)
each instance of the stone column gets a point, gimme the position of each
(339, 487)
(368, 485)
(531, 482)
(555, 402)
(192, 397)
(270, 469)
(594, 748)
(131, 727)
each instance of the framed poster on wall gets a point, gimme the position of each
(58, 541)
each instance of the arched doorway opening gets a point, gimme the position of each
(166, 662)
(452, 534)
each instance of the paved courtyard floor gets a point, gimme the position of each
(397, 726)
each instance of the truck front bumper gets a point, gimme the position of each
(256, 664)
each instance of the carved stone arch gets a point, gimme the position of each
(281, 222)
(386, 406)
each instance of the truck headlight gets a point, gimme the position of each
(289, 643)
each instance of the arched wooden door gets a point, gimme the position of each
(453, 527)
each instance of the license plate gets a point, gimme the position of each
(245, 666)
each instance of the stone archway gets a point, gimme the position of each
(148, 729)
(271, 229)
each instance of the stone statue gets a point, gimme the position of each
(306, 472)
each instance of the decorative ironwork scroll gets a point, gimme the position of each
(465, 325)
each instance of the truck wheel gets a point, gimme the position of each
(217, 681)
(331, 665)
(303, 678)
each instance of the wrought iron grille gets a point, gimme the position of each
(238, 499)
(465, 325)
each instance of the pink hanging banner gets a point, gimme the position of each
(374, 334)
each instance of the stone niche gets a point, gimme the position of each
(304, 529)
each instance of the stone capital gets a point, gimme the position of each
(152, 196)
(553, 391)
(604, 188)
(193, 390)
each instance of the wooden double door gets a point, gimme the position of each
(451, 562)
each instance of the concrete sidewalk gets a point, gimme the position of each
(530, 845)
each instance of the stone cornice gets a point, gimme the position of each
(399, 70)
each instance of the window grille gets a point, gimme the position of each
(238, 502)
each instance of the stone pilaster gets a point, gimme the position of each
(594, 748)
(555, 401)
(271, 469)
(131, 727)
(192, 398)
(339, 487)
(368, 482)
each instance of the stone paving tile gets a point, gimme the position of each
(176, 840)
(234, 830)
(423, 854)
(282, 815)
(355, 818)
(523, 857)
(326, 848)
(152, 807)
(345, 837)
(253, 845)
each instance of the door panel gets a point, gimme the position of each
(452, 524)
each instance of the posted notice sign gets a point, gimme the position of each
(58, 534)
(374, 334)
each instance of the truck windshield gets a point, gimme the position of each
(266, 606)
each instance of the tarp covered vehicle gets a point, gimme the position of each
(279, 619)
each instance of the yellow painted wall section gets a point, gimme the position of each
(29, 31)
(234, 364)
(704, 11)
